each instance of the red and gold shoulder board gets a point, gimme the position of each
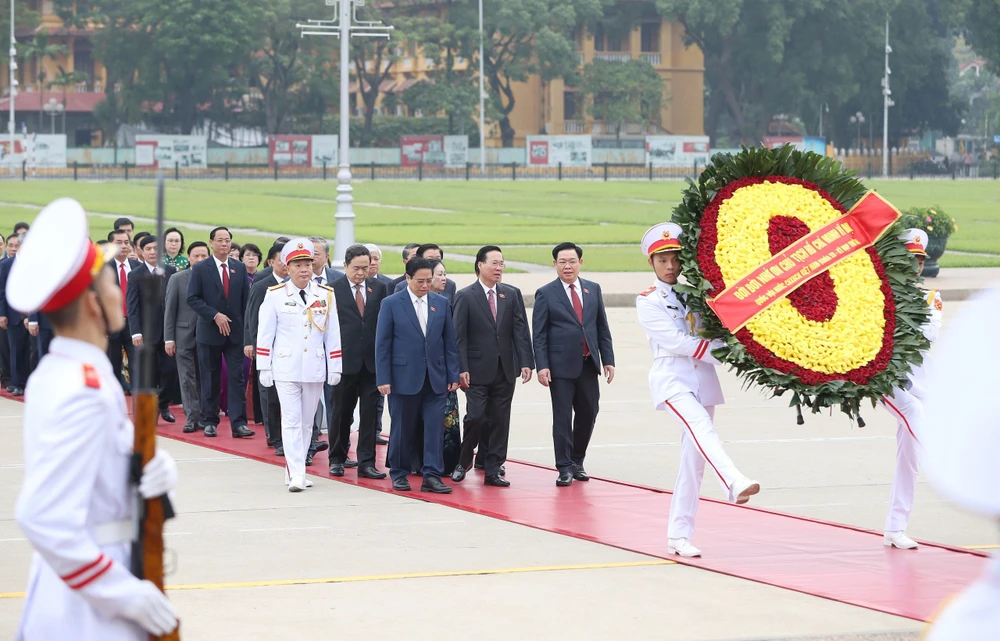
(90, 377)
(326, 287)
(275, 287)
(648, 291)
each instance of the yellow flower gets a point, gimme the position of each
(849, 340)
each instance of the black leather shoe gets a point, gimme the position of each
(434, 485)
(210, 431)
(503, 471)
(401, 485)
(309, 460)
(243, 432)
(190, 429)
(279, 451)
(370, 472)
(458, 475)
(580, 474)
(167, 416)
(496, 481)
(565, 478)
(18, 391)
(321, 446)
(381, 440)
(336, 469)
(349, 463)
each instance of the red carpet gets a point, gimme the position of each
(827, 560)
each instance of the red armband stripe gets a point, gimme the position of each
(702, 347)
(89, 566)
(98, 573)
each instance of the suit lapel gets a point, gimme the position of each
(412, 313)
(589, 303)
(564, 297)
(484, 302)
(501, 303)
(369, 296)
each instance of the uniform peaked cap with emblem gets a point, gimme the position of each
(43, 280)
(664, 237)
(915, 241)
(297, 249)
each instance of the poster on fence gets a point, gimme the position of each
(171, 151)
(456, 151)
(289, 150)
(816, 145)
(38, 150)
(551, 151)
(677, 151)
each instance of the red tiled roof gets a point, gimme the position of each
(33, 101)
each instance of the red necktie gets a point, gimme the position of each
(359, 299)
(123, 283)
(225, 279)
(578, 308)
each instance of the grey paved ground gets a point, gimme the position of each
(343, 562)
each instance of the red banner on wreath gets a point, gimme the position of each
(803, 260)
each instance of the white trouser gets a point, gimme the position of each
(909, 412)
(297, 400)
(699, 443)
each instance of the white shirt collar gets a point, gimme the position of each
(321, 276)
(486, 289)
(220, 263)
(575, 284)
(413, 297)
(125, 263)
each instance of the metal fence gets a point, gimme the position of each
(500, 172)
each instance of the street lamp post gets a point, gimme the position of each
(886, 103)
(53, 107)
(482, 99)
(13, 87)
(343, 27)
(858, 119)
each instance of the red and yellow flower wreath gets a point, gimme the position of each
(839, 337)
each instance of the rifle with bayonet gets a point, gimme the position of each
(147, 547)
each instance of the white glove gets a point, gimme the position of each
(266, 378)
(333, 378)
(159, 476)
(716, 343)
(150, 609)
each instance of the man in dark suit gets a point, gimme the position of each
(416, 366)
(430, 251)
(270, 406)
(179, 323)
(375, 271)
(359, 299)
(122, 266)
(41, 329)
(572, 338)
(218, 293)
(17, 335)
(264, 273)
(136, 303)
(493, 340)
(408, 252)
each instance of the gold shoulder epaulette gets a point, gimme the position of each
(326, 287)
(648, 291)
(274, 287)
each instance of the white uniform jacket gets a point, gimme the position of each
(77, 448)
(299, 341)
(930, 329)
(682, 362)
(972, 615)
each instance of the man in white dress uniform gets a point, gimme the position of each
(683, 382)
(77, 507)
(960, 438)
(906, 405)
(298, 351)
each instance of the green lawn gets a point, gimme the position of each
(526, 218)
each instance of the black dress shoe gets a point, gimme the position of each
(309, 460)
(167, 416)
(458, 475)
(370, 472)
(242, 432)
(401, 485)
(580, 474)
(565, 478)
(349, 463)
(321, 446)
(190, 429)
(434, 485)
(336, 469)
(279, 451)
(210, 431)
(381, 440)
(496, 481)
(18, 391)
(503, 471)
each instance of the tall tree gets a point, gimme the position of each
(982, 27)
(623, 93)
(38, 50)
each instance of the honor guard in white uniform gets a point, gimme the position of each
(77, 507)
(684, 383)
(960, 438)
(298, 350)
(906, 405)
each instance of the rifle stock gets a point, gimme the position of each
(147, 549)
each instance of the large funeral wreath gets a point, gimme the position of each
(848, 334)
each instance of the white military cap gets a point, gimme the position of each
(43, 280)
(664, 237)
(960, 432)
(915, 241)
(297, 249)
